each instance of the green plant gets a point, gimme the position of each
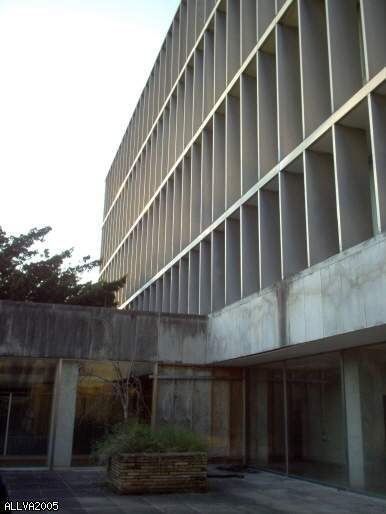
(30, 274)
(141, 438)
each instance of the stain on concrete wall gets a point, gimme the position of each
(73, 332)
(206, 400)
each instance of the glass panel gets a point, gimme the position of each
(28, 383)
(98, 404)
(365, 393)
(315, 419)
(266, 417)
(29, 422)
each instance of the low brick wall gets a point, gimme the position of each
(138, 473)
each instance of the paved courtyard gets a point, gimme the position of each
(83, 491)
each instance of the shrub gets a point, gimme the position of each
(140, 438)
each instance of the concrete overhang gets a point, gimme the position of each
(336, 304)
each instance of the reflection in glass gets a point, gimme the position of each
(26, 389)
(365, 391)
(315, 419)
(99, 404)
(266, 417)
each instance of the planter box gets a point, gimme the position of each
(139, 473)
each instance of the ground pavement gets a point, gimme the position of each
(81, 491)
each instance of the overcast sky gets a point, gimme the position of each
(71, 74)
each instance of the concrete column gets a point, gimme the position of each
(232, 150)
(205, 277)
(219, 53)
(185, 202)
(182, 34)
(183, 290)
(355, 446)
(288, 89)
(198, 89)
(232, 38)
(193, 282)
(189, 75)
(176, 208)
(344, 47)
(218, 269)
(265, 14)
(293, 224)
(208, 96)
(248, 27)
(232, 261)
(158, 295)
(352, 185)
(218, 199)
(206, 178)
(269, 235)
(249, 249)
(62, 426)
(248, 132)
(267, 106)
(195, 192)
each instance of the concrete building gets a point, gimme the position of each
(247, 207)
(256, 151)
(250, 186)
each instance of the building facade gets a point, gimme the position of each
(250, 186)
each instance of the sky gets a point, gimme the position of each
(71, 73)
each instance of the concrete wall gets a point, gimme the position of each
(182, 339)
(71, 332)
(339, 300)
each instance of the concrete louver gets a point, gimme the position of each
(256, 150)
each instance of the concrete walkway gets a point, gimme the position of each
(83, 491)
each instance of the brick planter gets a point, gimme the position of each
(139, 473)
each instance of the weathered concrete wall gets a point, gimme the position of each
(72, 332)
(207, 400)
(182, 339)
(344, 295)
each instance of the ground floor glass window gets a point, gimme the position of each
(322, 417)
(315, 420)
(266, 417)
(26, 392)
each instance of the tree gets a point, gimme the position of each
(27, 274)
(123, 385)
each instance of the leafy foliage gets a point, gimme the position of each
(26, 274)
(139, 437)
